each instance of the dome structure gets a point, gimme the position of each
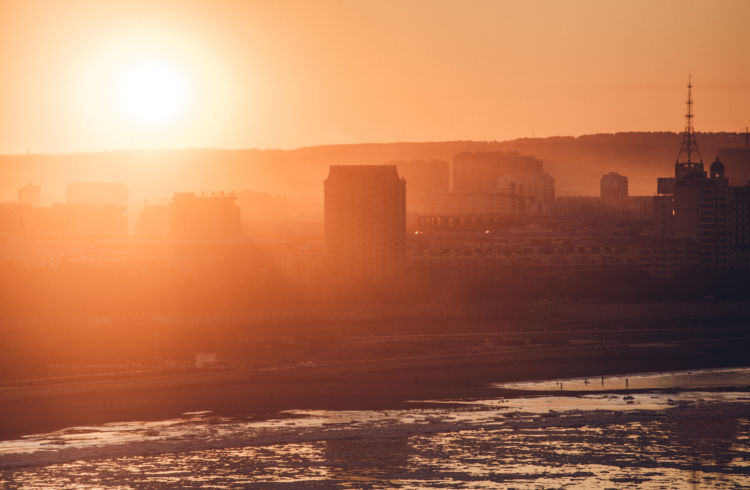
(717, 170)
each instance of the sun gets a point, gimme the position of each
(153, 93)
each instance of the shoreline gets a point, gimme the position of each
(376, 384)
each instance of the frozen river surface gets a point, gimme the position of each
(673, 430)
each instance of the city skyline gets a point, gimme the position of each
(374, 244)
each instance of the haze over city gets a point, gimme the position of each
(329, 244)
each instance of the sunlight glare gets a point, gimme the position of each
(153, 93)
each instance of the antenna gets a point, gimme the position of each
(689, 145)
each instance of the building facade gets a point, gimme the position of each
(613, 189)
(365, 221)
(701, 207)
(537, 189)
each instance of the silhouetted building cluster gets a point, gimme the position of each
(365, 221)
(702, 207)
(635, 208)
(518, 182)
(501, 219)
(696, 221)
(508, 220)
(213, 217)
(493, 184)
(477, 204)
(80, 221)
(91, 210)
(545, 252)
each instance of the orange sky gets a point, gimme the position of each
(287, 74)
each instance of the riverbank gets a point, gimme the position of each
(377, 383)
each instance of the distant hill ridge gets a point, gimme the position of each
(576, 163)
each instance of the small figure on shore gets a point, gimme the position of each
(586, 381)
(602, 380)
(626, 382)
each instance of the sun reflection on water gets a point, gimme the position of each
(644, 440)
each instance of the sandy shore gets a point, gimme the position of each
(33, 407)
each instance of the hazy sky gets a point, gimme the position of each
(286, 74)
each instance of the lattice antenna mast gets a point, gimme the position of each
(689, 145)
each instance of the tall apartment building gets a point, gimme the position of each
(701, 206)
(613, 189)
(365, 221)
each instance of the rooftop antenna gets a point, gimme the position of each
(689, 145)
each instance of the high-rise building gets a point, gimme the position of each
(613, 189)
(701, 213)
(365, 221)
(701, 206)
